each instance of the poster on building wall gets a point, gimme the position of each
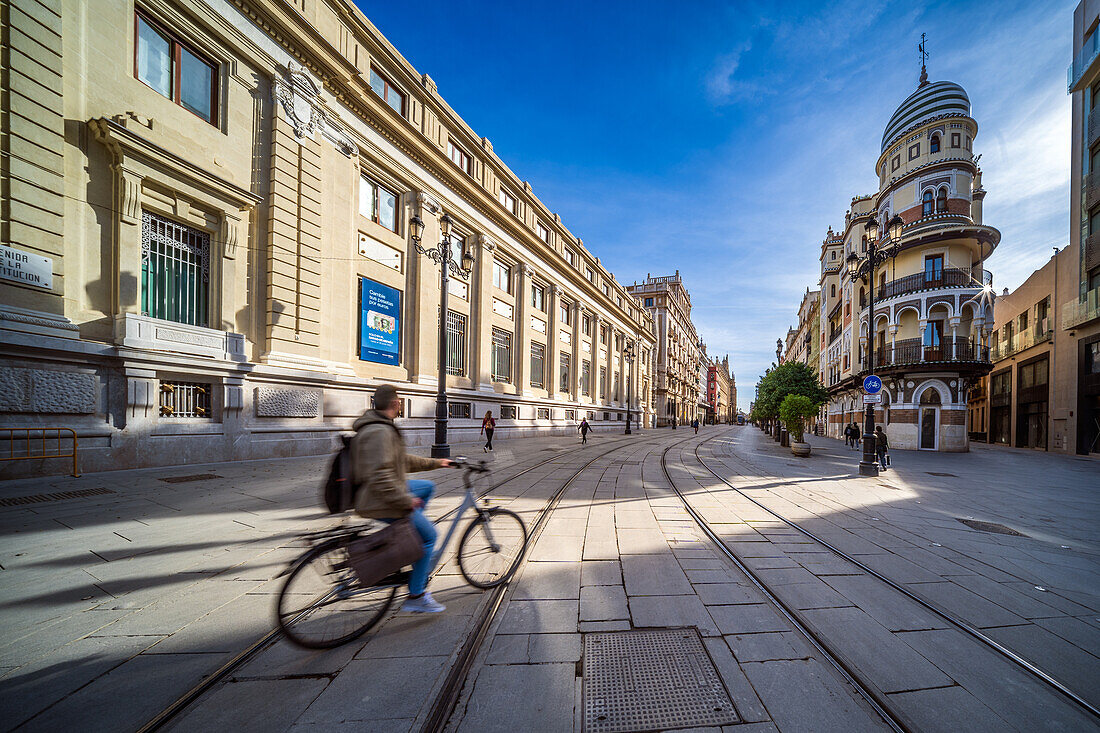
(379, 322)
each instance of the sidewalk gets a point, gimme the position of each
(160, 576)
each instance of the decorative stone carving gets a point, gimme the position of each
(46, 391)
(428, 203)
(230, 232)
(129, 195)
(282, 402)
(234, 397)
(486, 242)
(300, 98)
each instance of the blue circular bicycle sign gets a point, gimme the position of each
(872, 384)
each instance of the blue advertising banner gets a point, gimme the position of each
(379, 322)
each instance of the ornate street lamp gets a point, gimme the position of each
(442, 254)
(628, 355)
(876, 255)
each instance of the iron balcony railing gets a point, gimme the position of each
(1081, 63)
(949, 277)
(1077, 313)
(913, 351)
(1022, 341)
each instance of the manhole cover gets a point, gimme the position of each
(991, 527)
(192, 477)
(59, 496)
(651, 680)
(933, 473)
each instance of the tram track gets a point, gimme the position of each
(224, 672)
(951, 618)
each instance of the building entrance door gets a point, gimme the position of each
(928, 428)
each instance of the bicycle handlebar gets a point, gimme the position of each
(469, 465)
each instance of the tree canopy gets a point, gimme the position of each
(786, 379)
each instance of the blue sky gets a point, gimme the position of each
(722, 139)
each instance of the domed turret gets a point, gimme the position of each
(930, 100)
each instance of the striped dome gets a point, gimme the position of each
(930, 100)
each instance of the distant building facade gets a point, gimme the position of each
(721, 392)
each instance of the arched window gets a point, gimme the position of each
(927, 200)
(934, 144)
(832, 291)
(941, 201)
(930, 397)
(862, 297)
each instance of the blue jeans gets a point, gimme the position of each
(418, 580)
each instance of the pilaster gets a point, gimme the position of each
(422, 299)
(481, 310)
(553, 343)
(522, 351)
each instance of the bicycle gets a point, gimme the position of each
(322, 604)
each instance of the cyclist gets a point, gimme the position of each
(379, 464)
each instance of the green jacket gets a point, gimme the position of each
(379, 467)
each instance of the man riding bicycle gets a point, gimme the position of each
(380, 464)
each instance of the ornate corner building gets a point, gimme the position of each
(932, 308)
(207, 250)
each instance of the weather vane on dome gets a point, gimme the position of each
(923, 59)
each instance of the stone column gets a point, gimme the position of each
(575, 374)
(954, 323)
(923, 326)
(893, 329)
(594, 396)
(481, 313)
(553, 324)
(422, 299)
(521, 368)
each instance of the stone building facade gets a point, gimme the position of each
(933, 306)
(721, 392)
(676, 394)
(208, 252)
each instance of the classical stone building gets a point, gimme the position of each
(933, 310)
(676, 392)
(721, 392)
(208, 250)
(802, 340)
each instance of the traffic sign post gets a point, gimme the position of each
(872, 384)
(872, 399)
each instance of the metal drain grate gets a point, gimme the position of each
(991, 527)
(59, 496)
(192, 477)
(651, 680)
(934, 473)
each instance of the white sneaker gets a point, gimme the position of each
(423, 604)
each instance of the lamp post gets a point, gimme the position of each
(628, 355)
(442, 254)
(866, 268)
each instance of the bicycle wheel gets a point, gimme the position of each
(322, 605)
(491, 547)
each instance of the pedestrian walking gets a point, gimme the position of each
(847, 436)
(584, 428)
(673, 422)
(695, 424)
(856, 437)
(488, 425)
(881, 446)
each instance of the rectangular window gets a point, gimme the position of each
(968, 142)
(603, 383)
(586, 378)
(185, 399)
(458, 410)
(586, 325)
(459, 157)
(507, 412)
(502, 355)
(563, 372)
(456, 343)
(542, 413)
(895, 163)
(565, 313)
(956, 140)
(914, 151)
(385, 89)
(544, 233)
(933, 334)
(1023, 321)
(538, 298)
(606, 290)
(619, 301)
(538, 364)
(649, 301)
(570, 414)
(933, 269)
(570, 257)
(603, 335)
(502, 277)
(377, 203)
(175, 271)
(590, 274)
(618, 386)
(173, 69)
(507, 201)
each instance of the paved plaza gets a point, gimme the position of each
(117, 603)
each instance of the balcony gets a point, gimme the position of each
(1083, 61)
(1093, 131)
(1092, 189)
(1022, 341)
(908, 352)
(951, 277)
(1080, 312)
(1092, 250)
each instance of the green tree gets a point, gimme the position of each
(787, 379)
(794, 411)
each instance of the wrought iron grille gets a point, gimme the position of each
(563, 370)
(185, 399)
(586, 378)
(502, 355)
(507, 412)
(456, 343)
(538, 365)
(542, 413)
(458, 409)
(175, 271)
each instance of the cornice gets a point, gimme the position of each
(918, 125)
(924, 169)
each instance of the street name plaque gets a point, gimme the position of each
(24, 267)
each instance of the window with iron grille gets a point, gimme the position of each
(543, 413)
(502, 355)
(538, 364)
(570, 414)
(185, 399)
(563, 372)
(458, 409)
(590, 415)
(586, 378)
(619, 416)
(607, 416)
(456, 343)
(175, 271)
(603, 383)
(507, 412)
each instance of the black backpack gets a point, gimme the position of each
(338, 491)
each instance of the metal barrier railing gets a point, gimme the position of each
(38, 437)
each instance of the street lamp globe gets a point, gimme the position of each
(416, 228)
(895, 226)
(872, 230)
(445, 225)
(853, 265)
